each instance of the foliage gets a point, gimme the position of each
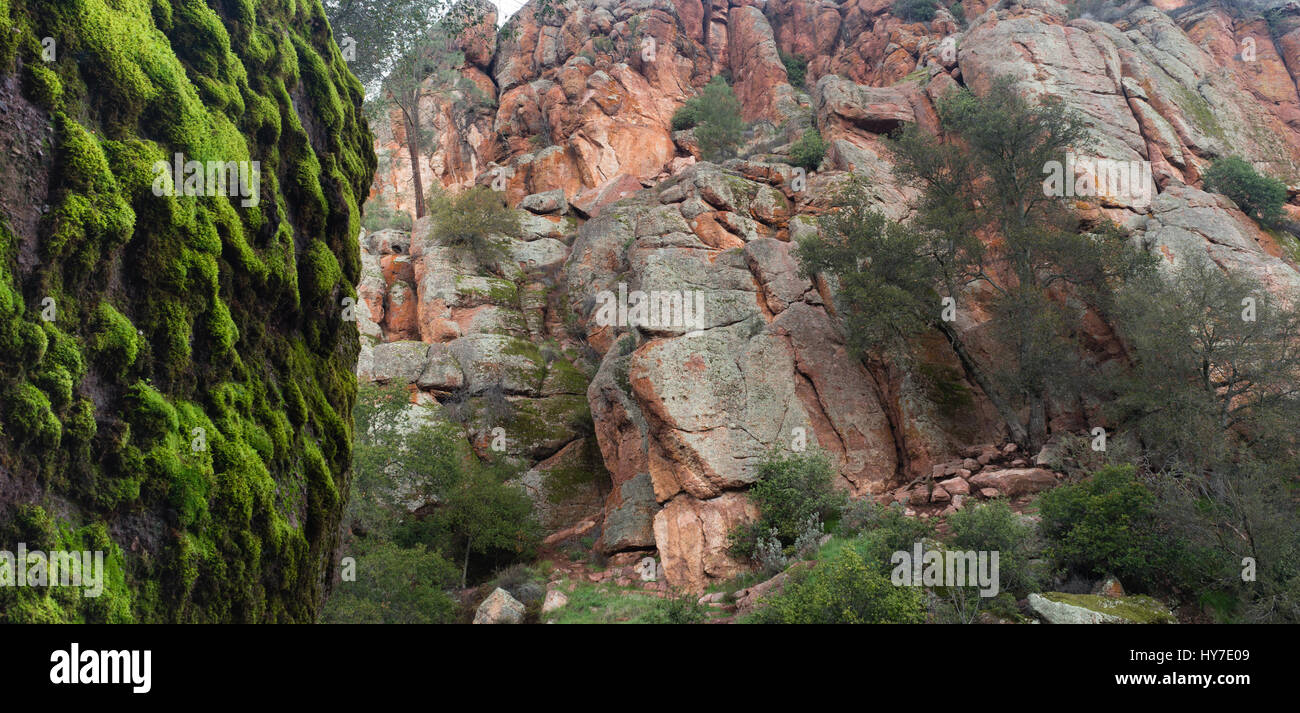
(476, 221)
(842, 590)
(395, 585)
(479, 520)
(715, 116)
(404, 50)
(794, 493)
(915, 10)
(986, 179)
(809, 150)
(1107, 525)
(995, 527)
(1216, 368)
(1260, 197)
(796, 68)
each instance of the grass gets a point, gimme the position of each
(609, 604)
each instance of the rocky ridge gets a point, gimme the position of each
(578, 130)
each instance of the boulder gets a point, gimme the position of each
(499, 608)
(1014, 482)
(1060, 608)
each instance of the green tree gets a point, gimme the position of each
(842, 590)
(985, 179)
(1260, 197)
(476, 220)
(916, 10)
(1216, 368)
(719, 125)
(404, 49)
(394, 585)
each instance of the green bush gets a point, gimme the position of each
(718, 122)
(1260, 197)
(809, 150)
(842, 590)
(395, 585)
(475, 220)
(687, 115)
(796, 68)
(995, 527)
(1107, 525)
(916, 10)
(791, 490)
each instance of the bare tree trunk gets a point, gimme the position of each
(464, 572)
(413, 151)
(1015, 428)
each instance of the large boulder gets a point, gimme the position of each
(1059, 608)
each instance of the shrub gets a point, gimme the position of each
(791, 488)
(796, 68)
(995, 527)
(1260, 197)
(1106, 524)
(809, 150)
(719, 125)
(395, 585)
(916, 10)
(474, 220)
(842, 590)
(687, 115)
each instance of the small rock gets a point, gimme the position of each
(989, 493)
(555, 599)
(939, 495)
(499, 608)
(1109, 587)
(956, 486)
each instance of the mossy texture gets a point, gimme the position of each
(176, 376)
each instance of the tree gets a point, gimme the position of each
(985, 181)
(1216, 368)
(475, 220)
(719, 126)
(1260, 197)
(400, 46)
(394, 585)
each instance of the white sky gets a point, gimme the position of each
(506, 8)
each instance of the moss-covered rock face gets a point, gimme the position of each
(176, 371)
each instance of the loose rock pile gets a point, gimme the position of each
(985, 472)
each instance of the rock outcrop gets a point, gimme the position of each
(733, 352)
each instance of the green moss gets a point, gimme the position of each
(1136, 608)
(115, 341)
(29, 417)
(43, 86)
(196, 298)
